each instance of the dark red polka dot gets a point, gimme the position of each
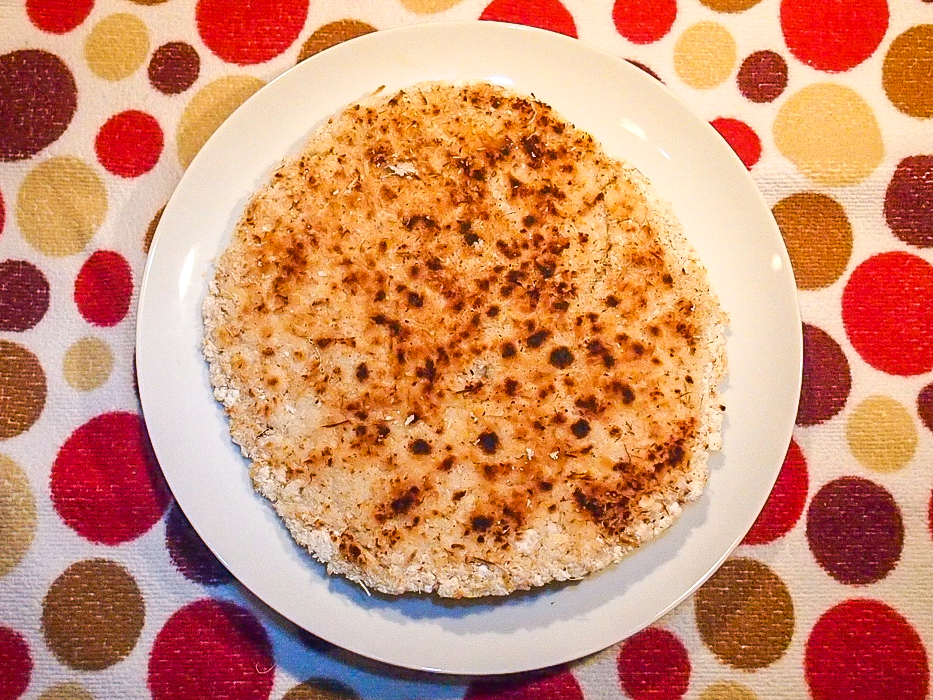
(649, 71)
(56, 16)
(103, 288)
(827, 379)
(129, 143)
(762, 76)
(39, 100)
(741, 137)
(105, 483)
(654, 665)
(930, 515)
(250, 32)
(24, 295)
(855, 531)
(887, 313)
(16, 662)
(211, 649)
(925, 406)
(174, 67)
(644, 21)
(543, 14)
(2, 213)
(556, 685)
(908, 202)
(833, 35)
(865, 650)
(189, 554)
(786, 503)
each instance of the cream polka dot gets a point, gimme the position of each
(61, 204)
(830, 133)
(88, 363)
(881, 434)
(208, 109)
(117, 46)
(705, 55)
(727, 690)
(66, 691)
(17, 515)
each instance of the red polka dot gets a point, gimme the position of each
(741, 137)
(129, 144)
(16, 662)
(104, 288)
(56, 16)
(543, 14)
(786, 502)
(644, 21)
(864, 650)
(833, 35)
(887, 313)
(211, 649)
(106, 484)
(250, 32)
(560, 685)
(653, 665)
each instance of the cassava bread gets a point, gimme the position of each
(464, 350)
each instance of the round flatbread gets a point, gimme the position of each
(464, 350)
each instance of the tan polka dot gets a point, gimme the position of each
(17, 515)
(66, 691)
(22, 389)
(151, 229)
(704, 55)
(208, 109)
(745, 614)
(117, 46)
(907, 72)
(818, 237)
(92, 615)
(882, 434)
(321, 689)
(333, 34)
(727, 690)
(60, 205)
(830, 133)
(428, 7)
(88, 363)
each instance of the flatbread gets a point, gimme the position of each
(464, 350)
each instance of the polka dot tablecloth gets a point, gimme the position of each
(106, 592)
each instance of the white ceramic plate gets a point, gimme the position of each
(635, 118)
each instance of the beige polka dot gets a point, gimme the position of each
(17, 515)
(332, 34)
(92, 615)
(208, 109)
(88, 363)
(428, 7)
(60, 205)
(727, 690)
(704, 55)
(882, 434)
(23, 389)
(66, 691)
(117, 46)
(321, 689)
(830, 133)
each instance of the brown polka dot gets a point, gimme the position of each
(762, 76)
(730, 5)
(39, 101)
(92, 615)
(907, 72)
(151, 229)
(60, 205)
(17, 515)
(66, 691)
(22, 389)
(332, 34)
(320, 689)
(818, 237)
(908, 202)
(745, 614)
(174, 67)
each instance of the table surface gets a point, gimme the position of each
(105, 590)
